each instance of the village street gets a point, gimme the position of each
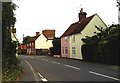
(46, 68)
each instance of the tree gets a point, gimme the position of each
(26, 39)
(104, 44)
(9, 60)
(56, 49)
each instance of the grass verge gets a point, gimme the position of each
(14, 75)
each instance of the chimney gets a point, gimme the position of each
(37, 34)
(82, 14)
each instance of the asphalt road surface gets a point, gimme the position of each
(46, 68)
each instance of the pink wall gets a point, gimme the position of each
(63, 45)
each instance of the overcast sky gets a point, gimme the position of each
(36, 15)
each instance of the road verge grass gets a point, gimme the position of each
(13, 75)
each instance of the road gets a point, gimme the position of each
(46, 68)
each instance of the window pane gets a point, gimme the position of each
(66, 50)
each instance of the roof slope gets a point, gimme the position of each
(78, 26)
(32, 39)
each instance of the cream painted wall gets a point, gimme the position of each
(88, 31)
(42, 43)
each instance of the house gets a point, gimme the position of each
(22, 49)
(71, 39)
(44, 42)
(31, 44)
(40, 43)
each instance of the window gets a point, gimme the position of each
(73, 38)
(66, 39)
(63, 50)
(29, 44)
(73, 50)
(32, 44)
(66, 50)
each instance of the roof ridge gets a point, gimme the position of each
(77, 26)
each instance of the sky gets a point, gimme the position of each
(37, 15)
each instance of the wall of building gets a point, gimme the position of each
(64, 45)
(42, 43)
(88, 31)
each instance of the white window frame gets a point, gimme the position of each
(73, 38)
(73, 50)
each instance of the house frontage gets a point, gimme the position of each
(71, 39)
(40, 44)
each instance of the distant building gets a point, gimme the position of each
(40, 44)
(71, 42)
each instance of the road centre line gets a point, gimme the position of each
(72, 67)
(104, 75)
(44, 59)
(42, 78)
(36, 79)
(55, 62)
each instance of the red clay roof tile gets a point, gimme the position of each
(77, 27)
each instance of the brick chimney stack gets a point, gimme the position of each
(82, 14)
(37, 34)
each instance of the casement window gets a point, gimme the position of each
(62, 50)
(66, 50)
(32, 44)
(73, 38)
(73, 50)
(66, 39)
(27, 44)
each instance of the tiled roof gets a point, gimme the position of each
(32, 39)
(78, 26)
(49, 34)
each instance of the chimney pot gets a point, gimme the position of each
(37, 34)
(82, 14)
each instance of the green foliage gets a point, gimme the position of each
(9, 60)
(103, 46)
(56, 49)
(26, 39)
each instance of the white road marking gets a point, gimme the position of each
(72, 67)
(104, 75)
(44, 59)
(55, 62)
(40, 75)
(42, 78)
(32, 70)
